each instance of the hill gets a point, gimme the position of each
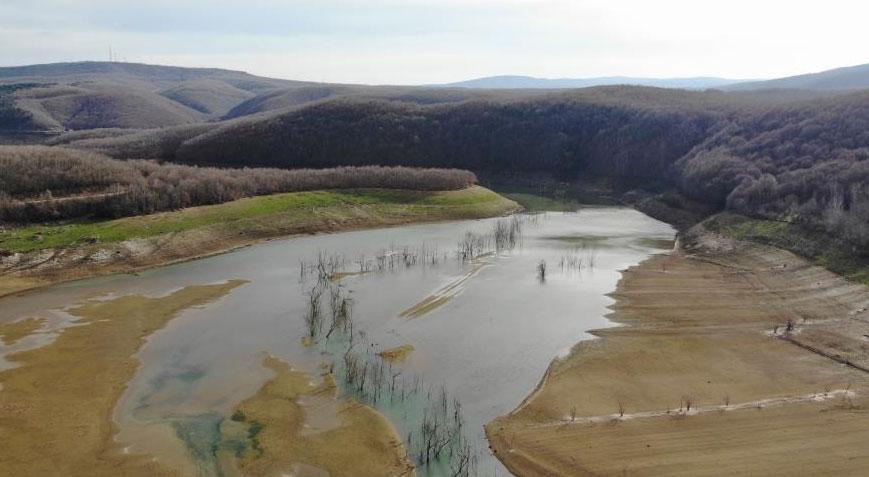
(848, 78)
(96, 95)
(525, 82)
(207, 96)
(773, 155)
(88, 95)
(136, 74)
(797, 155)
(305, 95)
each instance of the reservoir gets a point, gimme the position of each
(476, 309)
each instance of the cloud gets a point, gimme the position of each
(416, 41)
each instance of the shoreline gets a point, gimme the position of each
(71, 429)
(24, 272)
(278, 433)
(697, 330)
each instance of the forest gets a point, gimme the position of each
(782, 155)
(766, 155)
(39, 183)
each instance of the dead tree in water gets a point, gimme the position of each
(340, 306)
(313, 318)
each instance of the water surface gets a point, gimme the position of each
(487, 343)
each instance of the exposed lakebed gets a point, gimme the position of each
(475, 334)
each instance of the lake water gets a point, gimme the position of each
(484, 339)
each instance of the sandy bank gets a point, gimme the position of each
(698, 332)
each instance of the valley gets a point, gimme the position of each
(206, 272)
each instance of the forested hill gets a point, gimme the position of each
(91, 95)
(788, 154)
(772, 155)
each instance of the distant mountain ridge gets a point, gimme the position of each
(530, 82)
(59, 97)
(140, 71)
(846, 78)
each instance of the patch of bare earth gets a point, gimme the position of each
(295, 427)
(56, 405)
(704, 377)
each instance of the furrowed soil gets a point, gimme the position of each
(704, 377)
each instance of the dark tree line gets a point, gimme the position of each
(45, 183)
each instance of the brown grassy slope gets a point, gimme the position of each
(106, 105)
(211, 97)
(98, 94)
(136, 74)
(286, 98)
(698, 329)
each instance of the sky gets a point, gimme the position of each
(421, 42)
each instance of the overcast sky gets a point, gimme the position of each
(415, 41)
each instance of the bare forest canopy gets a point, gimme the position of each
(759, 155)
(40, 183)
(798, 155)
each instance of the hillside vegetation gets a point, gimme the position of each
(93, 95)
(44, 183)
(799, 161)
(88, 95)
(798, 156)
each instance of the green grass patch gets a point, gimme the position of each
(258, 213)
(819, 247)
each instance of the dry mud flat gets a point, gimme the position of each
(698, 331)
(282, 422)
(56, 404)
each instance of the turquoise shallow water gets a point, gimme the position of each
(485, 347)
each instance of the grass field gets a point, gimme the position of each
(256, 212)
